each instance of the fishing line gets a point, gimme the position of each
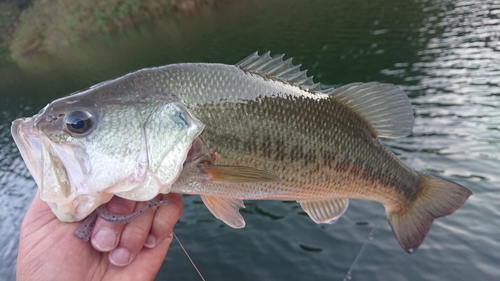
(369, 237)
(187, 255)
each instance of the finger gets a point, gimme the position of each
(147, 263)
(164, 220)
(106, 235)
(133, 236)
(38, 214)
(151, 259)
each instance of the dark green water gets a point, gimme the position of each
(445, 54)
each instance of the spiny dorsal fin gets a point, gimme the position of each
(277, 68)
(384, 106)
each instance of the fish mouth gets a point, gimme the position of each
(55, 183)
(28, 140)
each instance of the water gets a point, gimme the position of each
(445, 54)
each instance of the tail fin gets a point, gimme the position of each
(437, 198)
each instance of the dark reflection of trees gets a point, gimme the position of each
(339, 41)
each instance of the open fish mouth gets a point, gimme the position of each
(55, 181)
(28, 140)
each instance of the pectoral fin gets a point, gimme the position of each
(238, 174)
(325, 211)
(225, 209)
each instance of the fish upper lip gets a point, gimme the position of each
(28, 127)
(28, 140)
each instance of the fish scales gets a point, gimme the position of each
(278, 128)
(260, 129)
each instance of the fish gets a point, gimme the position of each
(257, 130)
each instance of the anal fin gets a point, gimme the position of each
(225, 209)
(325, 211)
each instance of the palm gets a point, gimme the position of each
(48, 247)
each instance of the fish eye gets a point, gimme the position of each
(79, 122)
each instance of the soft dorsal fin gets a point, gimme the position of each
(278, 69)
(325, 211)
(384, 106)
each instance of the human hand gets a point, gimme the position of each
(134, 251)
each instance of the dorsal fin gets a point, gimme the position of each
(279, 69)
(384, 106)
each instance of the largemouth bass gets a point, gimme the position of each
(260, 129)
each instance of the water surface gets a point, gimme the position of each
(445, 54)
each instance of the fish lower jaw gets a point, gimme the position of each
(62, 212)
(78, 208)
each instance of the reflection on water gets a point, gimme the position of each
(16, 192)
(455, 88)
(445, 54)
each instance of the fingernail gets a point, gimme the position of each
(104, 240)
(150, 241)
(119, 257)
